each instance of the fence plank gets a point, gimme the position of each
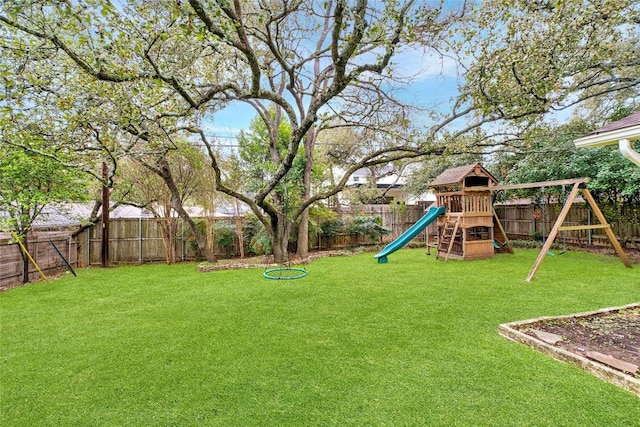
(524, 222)
(39, 247)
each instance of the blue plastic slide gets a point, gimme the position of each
(408, 235)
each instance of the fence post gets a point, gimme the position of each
(69, 250)
(140, 237)
(182, 245)
(589, 223)
(89, 246)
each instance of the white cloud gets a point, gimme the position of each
(420, 64)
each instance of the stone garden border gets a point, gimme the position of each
(618, 378)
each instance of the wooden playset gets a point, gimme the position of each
(470, 228)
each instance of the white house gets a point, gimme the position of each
(621, 132)
(389, 183)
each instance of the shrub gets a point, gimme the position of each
(256, 238)
(260, 244)
(192, 243)
(225, 236)
(319, 215)
(332, 227)
(368, 226)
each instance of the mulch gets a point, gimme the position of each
(614, 333)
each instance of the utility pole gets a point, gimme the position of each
(105, 216)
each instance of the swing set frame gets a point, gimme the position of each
(579, 184)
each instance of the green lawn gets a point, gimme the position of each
(410, 343)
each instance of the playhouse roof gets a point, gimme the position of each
(458, 174)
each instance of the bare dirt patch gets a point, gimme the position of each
(613, 333)
(632, 253)
(604, 343)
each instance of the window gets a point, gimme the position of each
(478, 233)
(476, 181)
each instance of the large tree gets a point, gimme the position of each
(86, 122)
(28, 185)
(330, 63)
(533, 57)
(164, 186)
(550, 154)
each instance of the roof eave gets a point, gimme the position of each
(608, 138)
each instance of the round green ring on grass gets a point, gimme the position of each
(300, 273)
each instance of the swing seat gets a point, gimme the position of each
(554, 254)
(499, 246)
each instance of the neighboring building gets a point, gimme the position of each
(621, 132)
(390, 186)
(75, 214)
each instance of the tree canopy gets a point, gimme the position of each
(551, 155)
(125, 79)
(28, 185)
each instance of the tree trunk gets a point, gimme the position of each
(280, 239)
(239, 230)
(303, 229)
(303, 234)
(202, 251)
(106, 193)
(25, 260)
(280, 253)
(167, 227)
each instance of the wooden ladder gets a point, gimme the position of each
(448, 236)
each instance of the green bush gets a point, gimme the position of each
(191, 241)
(319, 215)
(256, 238)
(225, 236)
(332, 227)
(260, 244)
(368, 226)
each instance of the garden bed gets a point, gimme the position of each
(605, 342)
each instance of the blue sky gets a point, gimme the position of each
(434, 85)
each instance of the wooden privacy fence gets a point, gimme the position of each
(341, 241)
(397, 218)
(40, 247)
(528, 222)
(140, 240)
(133, 240)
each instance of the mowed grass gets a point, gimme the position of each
(410, 343)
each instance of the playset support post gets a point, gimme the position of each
(563, 214)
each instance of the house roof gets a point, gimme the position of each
(457, 174)
(74, 214)
(386, 178)
(627, 122)
(623, 129)
(620, 132)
